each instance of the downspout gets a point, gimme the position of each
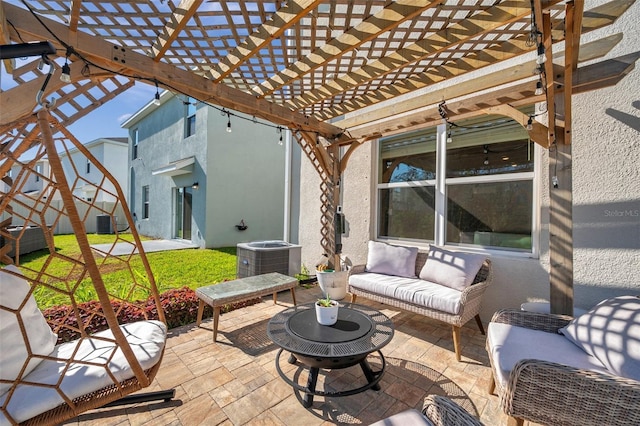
(286, 234)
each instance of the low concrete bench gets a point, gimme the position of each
(241, 290)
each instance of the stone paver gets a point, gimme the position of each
(234, 381)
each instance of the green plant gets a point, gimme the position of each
(326, 302)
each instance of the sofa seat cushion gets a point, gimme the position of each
(508, 344)
(411, 290)
(146, 338)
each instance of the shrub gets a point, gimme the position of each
(180, 307)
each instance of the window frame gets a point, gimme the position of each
(136, 141)
(145, 201)
(190, 130)
(441, 184)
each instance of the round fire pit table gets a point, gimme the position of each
(359, 331)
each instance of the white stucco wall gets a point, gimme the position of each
(606, 181)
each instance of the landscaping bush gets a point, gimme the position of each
(180, 307)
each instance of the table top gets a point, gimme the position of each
(257, 285)
(359, 330)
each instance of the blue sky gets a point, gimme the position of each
(104, 121)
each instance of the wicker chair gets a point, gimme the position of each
(53, 379)
(436, 411)
(555, 394)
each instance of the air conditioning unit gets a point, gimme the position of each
(104, 224)
(262, 257)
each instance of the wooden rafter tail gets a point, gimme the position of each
(9, 64)
(538, 133)
(44, 120)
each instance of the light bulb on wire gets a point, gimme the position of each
(66, 72)
(280, 140)
(156, 100)
(530, 123)
(542, 58)
(539, 90)
(229, 123)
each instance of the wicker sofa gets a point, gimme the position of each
(437, 410)
(545, 377)
(422, 283)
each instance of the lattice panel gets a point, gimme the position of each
(328, 58)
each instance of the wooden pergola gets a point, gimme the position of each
(306, 65)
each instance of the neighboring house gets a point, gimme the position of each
(493, 195)
(192, 179)
(112, 153)
(31, 183)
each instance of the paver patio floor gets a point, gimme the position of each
(234, 381)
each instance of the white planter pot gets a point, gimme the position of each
(327, 315)
(333, 284)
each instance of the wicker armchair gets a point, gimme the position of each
(436, 411)
(555, 394)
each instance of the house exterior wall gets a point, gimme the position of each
(606, 197)
(112, 154)
(245, 181)
(240, 175)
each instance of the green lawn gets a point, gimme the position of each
(172, 269)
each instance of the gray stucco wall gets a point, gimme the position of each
(240, 175)
(245, 181)
(606, 191)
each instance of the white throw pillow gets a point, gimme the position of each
(391, 260)
(13, 349)
(610, 331)
(452, 269)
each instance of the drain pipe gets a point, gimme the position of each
(286, 234)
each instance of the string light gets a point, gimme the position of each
(229, 123)
(156, 101)
(542, 58)
(530, 123)
(280, 132)
(539, 90)
(66, 73)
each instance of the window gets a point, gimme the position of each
(487, 178)
(145, 202)
(38, 172)
(134, 151)
(190, 117)
(88, 166)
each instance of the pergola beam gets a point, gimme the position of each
(126, 61)
(590, 77)
(74, 15)
(497, 52)
(9, 64)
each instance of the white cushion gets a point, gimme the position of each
(413, 290)
(610, 332)
(410, 417)
(14, 291)
(452, 269)
(508, 344)
(147, 339)
(391, 260)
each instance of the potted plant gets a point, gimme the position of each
(327, 311)
(332, 283)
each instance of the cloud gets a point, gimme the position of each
(124, 117)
